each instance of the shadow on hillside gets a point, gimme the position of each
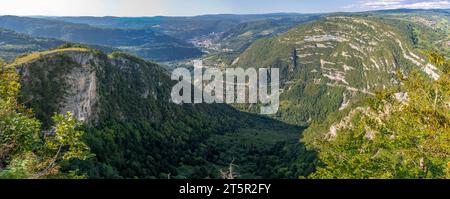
(262, 148)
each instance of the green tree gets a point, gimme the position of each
(25, 150)
(403, 133)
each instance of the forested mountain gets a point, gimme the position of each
(213, 34)
(366, 93)
(13, 44)
(135, 131)
(226, 46)
(327, 65)
(241, 36)
(400, 133)
(144, 42)
(183, 28)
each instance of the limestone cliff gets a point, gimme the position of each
(67, 79)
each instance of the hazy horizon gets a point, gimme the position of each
(174, 8)
(268, 13)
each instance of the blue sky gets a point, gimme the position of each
(197, 7)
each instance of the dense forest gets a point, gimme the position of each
(25, 150)
(363, 96)
(399, 133)
(137, 133)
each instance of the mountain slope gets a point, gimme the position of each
(327, 65)
(13, 44)
(400, 133)
(146, 43)
(242, 35)
(184, 28)
(430, 29)
(225, 47)
(135, 131)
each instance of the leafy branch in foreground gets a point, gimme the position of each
(402, 133)
(25, 150)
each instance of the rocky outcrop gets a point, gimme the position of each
(79, 94)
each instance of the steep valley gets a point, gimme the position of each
(333, 68)
(135, 131)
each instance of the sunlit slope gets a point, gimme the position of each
(326, 65)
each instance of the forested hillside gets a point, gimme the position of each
(363, 95)
(400, 133)
(26, 151)
(135, 131)
(13, 44)
(143, 42)
(326, 66)
(373, 89)
(183, 28)
(225, 47)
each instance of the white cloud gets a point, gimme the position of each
(396, 4)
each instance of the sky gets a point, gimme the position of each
(199, 7)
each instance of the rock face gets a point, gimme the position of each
(93, 86)
(81, 96)
(73, 74)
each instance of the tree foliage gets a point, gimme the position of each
(25, 150)
(403, 133)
